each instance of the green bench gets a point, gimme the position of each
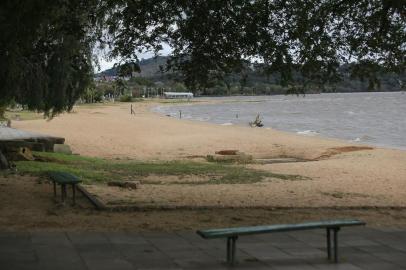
(63, 179)
(232, 234)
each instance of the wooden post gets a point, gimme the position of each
(180, 114)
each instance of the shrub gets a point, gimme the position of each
(126, 98)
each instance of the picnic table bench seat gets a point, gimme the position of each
(232, 234)
(63, 179)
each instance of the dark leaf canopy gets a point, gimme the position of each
(46, 45)
(46, 52)
(308, 38)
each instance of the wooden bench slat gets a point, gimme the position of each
(229, 232)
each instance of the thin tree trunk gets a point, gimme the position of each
(4, 164)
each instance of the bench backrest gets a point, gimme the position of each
(230, 232)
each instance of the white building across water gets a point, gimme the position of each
(187, 95)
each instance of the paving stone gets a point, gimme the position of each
(139, 250)
(126, 238)
(50, 238)
(62, 265)
(305, 252)
(159, 268)
(98, 251)
(109, 264)
(337, 266)
(357, 242)
(20, 266)
(373, 265)
(15, 254)
(263, 251)
(376, 249)
(15, 239)
(370, 249)
(289, 264)
(395, 257)
(87, 238)
(57, 254)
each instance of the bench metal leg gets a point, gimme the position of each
(54, 189)
(228, 249)
(231, 248)
(73, 194)
(336, 244)
(63, 193)
(328, 244)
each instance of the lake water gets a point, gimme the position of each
(373, 118)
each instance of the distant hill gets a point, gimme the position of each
(149, 67)
(256, 82)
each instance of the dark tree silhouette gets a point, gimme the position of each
(46, 45)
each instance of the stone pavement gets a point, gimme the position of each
(359, 248)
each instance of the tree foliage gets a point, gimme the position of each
(46, 45)
(46, 52)
(311, 38)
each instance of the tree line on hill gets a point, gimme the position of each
(251, 81)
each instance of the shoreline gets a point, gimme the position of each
(318, 135)
(147, 110)
(374, 137)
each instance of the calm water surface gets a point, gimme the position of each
(372, 118)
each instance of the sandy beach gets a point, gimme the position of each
(110, 131)
(340, 174)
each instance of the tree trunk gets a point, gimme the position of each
(2, 112)
(4, 164)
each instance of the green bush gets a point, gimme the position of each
(126, 98)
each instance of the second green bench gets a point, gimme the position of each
(63, 179)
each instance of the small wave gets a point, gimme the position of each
(227, 124)
(308, 133)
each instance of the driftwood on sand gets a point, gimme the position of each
(257, 122)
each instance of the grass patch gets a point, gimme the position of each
(23, 115)
(96, 105)
(178, 101)
(96, 170)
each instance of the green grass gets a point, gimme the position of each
(23, 115)
(96, 105)
(176, 101)
(96, 170)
